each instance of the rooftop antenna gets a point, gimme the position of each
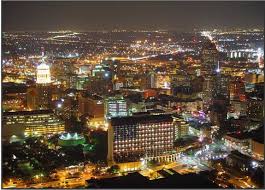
(42, 54)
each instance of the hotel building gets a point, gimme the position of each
(141, 136)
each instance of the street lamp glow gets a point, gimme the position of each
(254, 164)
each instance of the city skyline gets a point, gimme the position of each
(132, 95)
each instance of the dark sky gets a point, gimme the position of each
(85, 16)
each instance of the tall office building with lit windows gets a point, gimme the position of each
(135, 137)
(210, 57)
(43, 86)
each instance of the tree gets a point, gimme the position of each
(152, 163)
(113, 169)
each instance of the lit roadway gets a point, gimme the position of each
(209, 36)
(64, 180)
(225, 176)
(184, 164)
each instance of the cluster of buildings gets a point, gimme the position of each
(144, 113)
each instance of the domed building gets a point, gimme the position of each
(43, 74)
(44, 86)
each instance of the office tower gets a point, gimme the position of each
(91, 105)
(31, 123)
(32, 98)
(102, 72)
(163, 81)
(135, 137)
(207, 92)
(209, 58)
(221, 87)
(220, 99)
(237, 89)
(44, 96)
(181, 83)
(115, 107)
(255, 109)
(99, 85)
(181, 127)
(151, 80)
(43, 85)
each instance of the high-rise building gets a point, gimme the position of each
(22, 124)
(237, 89)
(207, 93)
(181, 83)
(221, 86)
(181, 127)
(91, 105)
(255, 109)
(102, 72)
(115, 107)
(43, 85)
(151, 80)
(44, 96)
(32, 99)
(210, 57)
(43, 74)
(135, 137)
(220, 99)
(99, 85)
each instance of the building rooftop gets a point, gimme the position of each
(131, 120)
(136, 180)
(34, 112)
(176, 99)
(92, 96)
(257, 135)
(237, 154)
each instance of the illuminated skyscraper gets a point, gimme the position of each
(43, 86)
(151, 80)
(43, 74)
(221, 87)
(181, 127)
(210, 57)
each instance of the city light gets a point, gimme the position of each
(132, 102)
(59, 105)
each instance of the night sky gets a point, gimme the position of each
(85, 16)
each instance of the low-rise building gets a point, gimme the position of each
(22, 124)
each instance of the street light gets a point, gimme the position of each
(59, 105)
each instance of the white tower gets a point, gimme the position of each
(43, 74)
